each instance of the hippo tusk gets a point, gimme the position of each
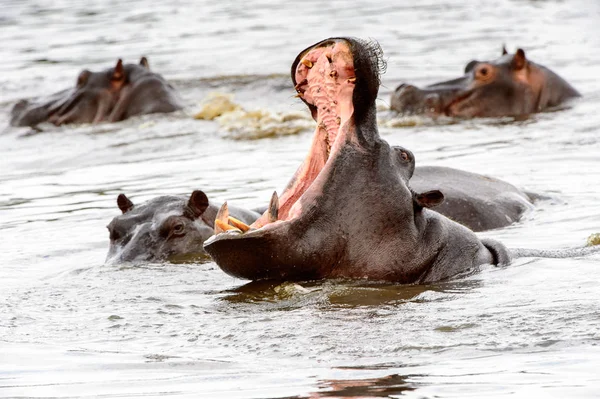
(221, 227)
(273, 211)
(307, 63)
(222, 220)
(238, 224)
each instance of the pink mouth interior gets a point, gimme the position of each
(325, 78)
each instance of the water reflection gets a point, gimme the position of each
(344, 293)
(382, 387)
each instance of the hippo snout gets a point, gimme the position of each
(410, 100)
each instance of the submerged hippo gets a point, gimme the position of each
(476, 201)
(509, 86)
(166, 228)
(111, 95)
(349, 211)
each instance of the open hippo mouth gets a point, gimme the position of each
(324, 78)
(322, 226)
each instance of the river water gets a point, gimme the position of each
(71, 326)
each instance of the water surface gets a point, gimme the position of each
(71, 326)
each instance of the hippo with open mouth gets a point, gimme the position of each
(112, 95)
(349, 211)
(166, 228)
(511, 85)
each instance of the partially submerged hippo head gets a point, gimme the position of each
(111, 95)
(165, 228)
(348, 211)
(508, 86)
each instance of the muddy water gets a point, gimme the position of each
(71, 326)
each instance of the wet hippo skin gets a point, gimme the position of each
(511, 85)
(479, 202)
(166, 228)
(111, 95)
(349, 211)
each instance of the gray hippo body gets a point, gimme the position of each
(349, 211)
(508, 86)
(112, 95)
(476, 201)
(166, 228)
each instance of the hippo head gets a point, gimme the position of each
(508, 86)
(348, 211)
(166, 228)
(92, 100)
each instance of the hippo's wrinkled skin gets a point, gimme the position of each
(478, 202)
(112, 95)
(167, 228)
(508, 86)
(349, 211)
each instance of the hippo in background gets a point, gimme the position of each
(476, 201)
(166, 228)
(511, 85)
(112, 95)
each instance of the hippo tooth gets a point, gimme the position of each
(308, 63)
(273, 211)
(221, 227)
(300, 84)
(352, 80)
(222, 219)
(243, 227)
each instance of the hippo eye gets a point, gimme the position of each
(404, 156)
(178, 229)
(484, 72)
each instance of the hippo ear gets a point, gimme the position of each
(83, 78)
(504, 52)
(429, 199)
(519, 61)
(144, 63)
(118, 75)
(197, 203)
(124, 204)
(470, 66)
